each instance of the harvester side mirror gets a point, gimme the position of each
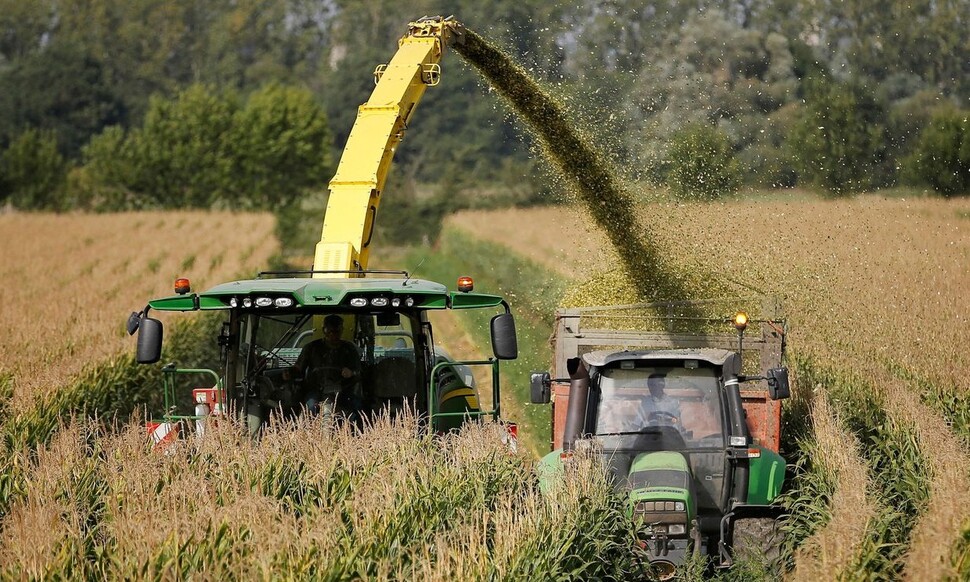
(149, 341)
(778, 388)
(134, 320)
(541, 387)
(504, 344)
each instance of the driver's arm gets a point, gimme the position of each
(299, 368)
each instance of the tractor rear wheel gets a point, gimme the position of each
(757, 542)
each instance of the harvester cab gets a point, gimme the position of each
(678, 427)
(354, 347)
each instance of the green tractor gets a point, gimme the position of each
(678, 427)
(389, 358)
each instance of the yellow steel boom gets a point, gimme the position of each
(355, 190)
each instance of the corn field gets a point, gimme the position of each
(875, 293)
(308, 501)
(83, 495)
(77, 277)
(878, 430)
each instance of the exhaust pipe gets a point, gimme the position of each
(578, 403)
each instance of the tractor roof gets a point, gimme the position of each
(715, 356)
(309, 287)
(335, 292)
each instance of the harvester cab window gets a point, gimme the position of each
(657, 399)
(390, 380)
(268, 349)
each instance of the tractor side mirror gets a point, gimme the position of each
(149, 341)
(504, 344)
(778, 388)
(541, 384)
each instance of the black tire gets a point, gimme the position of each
(758, 543)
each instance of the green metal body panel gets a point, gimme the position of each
(657, 469)
(455, 402)
(327, 292)
(766, 476)
(549, 470)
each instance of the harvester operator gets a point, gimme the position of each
(330, 368)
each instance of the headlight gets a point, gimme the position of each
(263, 302)
(379, 301)
(676, 529)
(396, 302)
(247, 302)
(233, 302)
(409, 301)
(283, 302)
(652, 506)
(358, 302)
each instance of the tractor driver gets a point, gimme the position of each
(330, 367)
(658, 406)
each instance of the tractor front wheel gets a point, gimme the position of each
(757, 543)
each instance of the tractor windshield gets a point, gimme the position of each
(660, 408)
(356, 362)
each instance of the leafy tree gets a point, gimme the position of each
(709, 71)
(182, 153)
(109, 168)
(205, 149)
(839, 140)
(280, 146)
(702, 165)
(942, 154)
(22, 25)
(865, 39)
(60, 89)
(33, 172)
(907, 117)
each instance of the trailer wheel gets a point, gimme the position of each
(757, 543)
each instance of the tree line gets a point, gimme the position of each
(246, 103)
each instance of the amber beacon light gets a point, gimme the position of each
(182, 286)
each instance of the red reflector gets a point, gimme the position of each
(754, 453)
(162, 433)
(465, 284)
(513, 430)
(182, 286)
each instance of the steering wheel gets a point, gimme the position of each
(663, 417)
(324, 375)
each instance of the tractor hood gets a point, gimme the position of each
(662, 476)
(660, 492)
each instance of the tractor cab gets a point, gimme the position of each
(688, 437)
(670, 430)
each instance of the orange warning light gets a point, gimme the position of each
(740, 320)
(182, 286)
(465, 284)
